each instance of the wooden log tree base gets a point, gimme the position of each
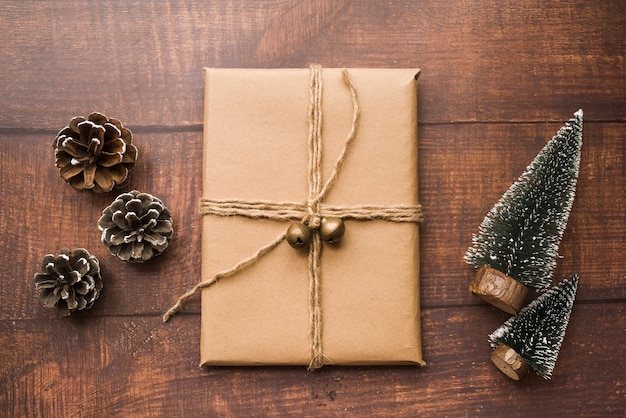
(509, 362)
(498, 289)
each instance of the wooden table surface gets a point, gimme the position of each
(498, 79)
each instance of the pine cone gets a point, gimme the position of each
(69, 281)
(95, 153)
(136, 226)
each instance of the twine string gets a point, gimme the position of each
(293, 211)
(309, 212)
(242, 264)
(312, 217)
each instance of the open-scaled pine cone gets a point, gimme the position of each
(95, 153)
(136, 226)
(69, 281)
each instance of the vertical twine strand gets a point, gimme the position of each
(315, 144)
(315, 184)
(349, 139)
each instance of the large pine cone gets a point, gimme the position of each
(69, 281)
(95, 153)
(136, 226)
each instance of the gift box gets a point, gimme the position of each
(362, 305)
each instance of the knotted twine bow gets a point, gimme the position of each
(309, 213)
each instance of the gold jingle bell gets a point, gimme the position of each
(298, 235)
(332, 229)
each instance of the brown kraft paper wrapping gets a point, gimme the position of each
(255, 148)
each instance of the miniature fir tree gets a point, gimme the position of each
(521, 234)
(533, 337)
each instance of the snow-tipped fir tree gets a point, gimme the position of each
(537, 332)
(521, 234)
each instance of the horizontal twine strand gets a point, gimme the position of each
(292, 211)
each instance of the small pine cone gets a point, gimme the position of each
(95, 153)
(69, 281)
(136, 226)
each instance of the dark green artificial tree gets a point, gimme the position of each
(534, 337)
(520, 236)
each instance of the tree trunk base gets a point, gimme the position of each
(499, 290)
(509, 362)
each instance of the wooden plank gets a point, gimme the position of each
(464, 170)
(136, 366)
(482, 61)
(493, 72)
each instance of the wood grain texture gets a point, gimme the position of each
(137, 366)
(42, 214)
(499, 60)
(498, 79)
